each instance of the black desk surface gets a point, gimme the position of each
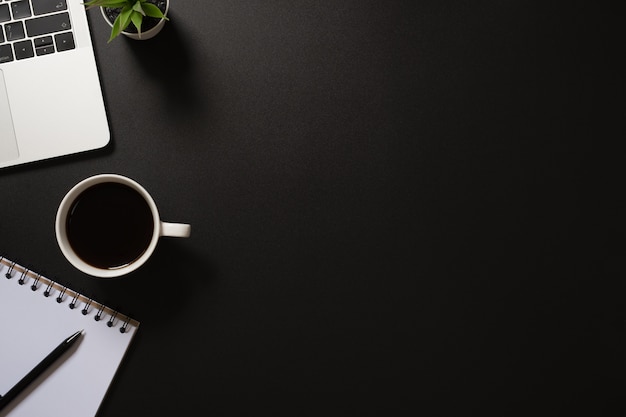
(391, 208)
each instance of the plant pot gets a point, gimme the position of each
(150, 26)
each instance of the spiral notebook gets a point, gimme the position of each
(36, 314)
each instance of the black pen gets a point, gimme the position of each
(37, 370)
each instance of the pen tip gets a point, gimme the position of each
(74, 337)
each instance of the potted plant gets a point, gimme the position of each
(136, 19)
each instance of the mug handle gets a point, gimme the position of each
(175, 229)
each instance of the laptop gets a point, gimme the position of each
(51, 101)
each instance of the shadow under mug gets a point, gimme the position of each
(88, 203)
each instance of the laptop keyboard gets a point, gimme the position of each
(31, 28)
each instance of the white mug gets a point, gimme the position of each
(108, 226)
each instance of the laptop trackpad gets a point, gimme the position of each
(8, 144)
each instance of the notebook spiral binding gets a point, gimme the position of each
(10, 270)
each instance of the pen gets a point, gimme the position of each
(37, 370)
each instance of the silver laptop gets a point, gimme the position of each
(51, 101)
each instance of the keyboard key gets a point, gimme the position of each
(14, 31)
(4, 13)
(48, 6)
(6, 53)
(21, 9)
(44, 50)
(1, 34)
(64, 41)
(45, 41)
(48, 24)
(24, 49)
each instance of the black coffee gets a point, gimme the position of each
(109, 225)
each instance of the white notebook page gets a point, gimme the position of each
(32, 325)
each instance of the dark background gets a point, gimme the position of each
(397, 208)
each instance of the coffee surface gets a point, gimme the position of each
(109, 225)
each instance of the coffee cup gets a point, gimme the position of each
(108, 226)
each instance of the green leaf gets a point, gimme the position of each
(138, 8)
(153, 11)
(137, 18)
(116, 30)
(125, 17)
